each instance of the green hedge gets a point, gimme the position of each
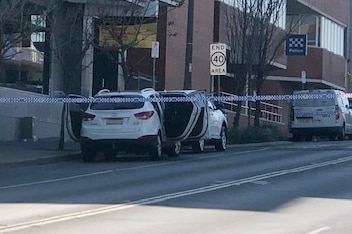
(263, 133)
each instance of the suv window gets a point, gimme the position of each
(314, 102)
(125, 102)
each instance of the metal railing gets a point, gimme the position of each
(27, 54)
(269, 112)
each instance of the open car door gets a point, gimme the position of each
(182, 110)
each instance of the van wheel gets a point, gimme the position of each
(198, 146)
(309, 138)
(342, 134)
(156, 150)
(174, 150)
(332, 137)
(296, 137)
(221, 145)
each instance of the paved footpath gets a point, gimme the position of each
(21, 153)
(14, 153)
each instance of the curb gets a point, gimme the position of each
(44, 160)
(77, 155)
(269, 143)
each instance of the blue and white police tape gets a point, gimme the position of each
(232, 98)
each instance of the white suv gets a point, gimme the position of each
(128, 120)
(209, 123)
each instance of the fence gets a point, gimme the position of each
(269, 112)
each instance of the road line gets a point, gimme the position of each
(166, 197)
(120, 169)
(319, 230)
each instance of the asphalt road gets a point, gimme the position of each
(298, 188)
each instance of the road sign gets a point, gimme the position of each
(304, 77)
(218, 59)
(155, 49)
(296, 44)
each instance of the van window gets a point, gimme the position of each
(314, 102)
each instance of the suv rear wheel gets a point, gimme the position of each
(88, 152)
(198, 146)
(156, 150)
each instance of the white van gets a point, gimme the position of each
(323, 112)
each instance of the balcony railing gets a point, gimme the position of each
(269, 112)
(25, 54)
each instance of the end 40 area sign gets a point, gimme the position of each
(218, 60)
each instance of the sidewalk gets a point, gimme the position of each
(19, 153)
(28, 152)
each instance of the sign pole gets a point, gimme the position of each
(218, 64)
(153, 85)
(154, 55)
(304, 79)
(212, 84)
(219, 86)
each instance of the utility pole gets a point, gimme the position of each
(187, 83)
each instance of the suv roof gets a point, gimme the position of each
(143, 92)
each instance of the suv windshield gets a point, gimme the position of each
(118, 102)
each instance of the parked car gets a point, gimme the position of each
(323, 112)
(140, 121)
(210, 122)
(135, 123)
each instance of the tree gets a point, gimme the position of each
(109, 27)
(15, 29)
(240, 26)
(134, 27)
(269, 40)
(256, 32)
(70, 38)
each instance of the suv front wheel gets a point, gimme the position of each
(221, 144)
(174, 150)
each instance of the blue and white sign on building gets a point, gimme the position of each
(296, 44)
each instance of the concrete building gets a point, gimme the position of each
(325, 23)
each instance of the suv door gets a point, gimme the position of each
(181, 112)
(201, 125)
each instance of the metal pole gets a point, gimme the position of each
(219, 86)
(153, 85)
(212, 85)
(187, 83)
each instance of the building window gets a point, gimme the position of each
(303, 24)
(309, 26)
(320, 31)
(332, 37)
(276, 10)
(39, 22)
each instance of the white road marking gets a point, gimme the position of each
(116, 170)
(260, 182)
(166, 197)
(319, 230)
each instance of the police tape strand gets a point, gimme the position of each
(233, 98)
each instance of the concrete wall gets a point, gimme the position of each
(46, 116)
(176, 45)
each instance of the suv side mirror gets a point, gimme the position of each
(219, 105)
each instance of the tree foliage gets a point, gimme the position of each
(15, 28)
(256, 32)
